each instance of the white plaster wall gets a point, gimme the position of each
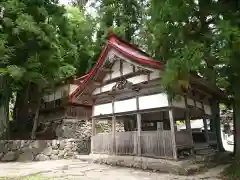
(96, 91)
(125, 105)
(102, 109)
(179, 102)
(207, 109)
(199, 104)
(51, 97)
(107, 87)
(154, 75)
(116, 69)
(127, 68)
(153, 101)
(106, 77)
(190, 102)
(138, 79)
(73, 87)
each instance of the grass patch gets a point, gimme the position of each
(232, 172)
(35, 177)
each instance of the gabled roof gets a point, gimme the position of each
(136, 55)
(128, 50)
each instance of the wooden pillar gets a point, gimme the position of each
(205, 128)
(139, 129)
(114, 135)
(189, 128)
(93, 134)
(113, 129)
(173, 133)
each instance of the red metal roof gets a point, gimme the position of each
(128, 50)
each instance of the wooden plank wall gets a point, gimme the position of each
(79, 112)
(184, 139)
(126, 143)
(157, 144)
(102, 143)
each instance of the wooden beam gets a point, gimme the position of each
(107, 70)
(149, 89)
(173, 133)
(126, 76)
(93, 134)
(188, 127)
(97, 83)
(93, 127)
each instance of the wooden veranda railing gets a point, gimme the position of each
(157, 144)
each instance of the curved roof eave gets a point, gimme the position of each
(110, 44)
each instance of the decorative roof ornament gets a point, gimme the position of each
(123, 84)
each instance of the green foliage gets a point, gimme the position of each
(121, 17)
(232, 172)
(42, 42)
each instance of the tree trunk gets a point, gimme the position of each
(35, 123)
(4, 108)
(21, 109)
(236, 88)
(217, 124)
(35, 103)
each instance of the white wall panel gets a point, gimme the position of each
(116, 69)
(125, 105)
(127, 68)
(179, 102)
(190, 102)
(153, 101)
(207, 109)
(138, 79)
(199, 104)
(73, 87)
(96, 91)
(107, 87)
(154, 75)
(102, 109)
(106, 77)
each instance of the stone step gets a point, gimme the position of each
(205, 151)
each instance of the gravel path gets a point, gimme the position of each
(82, 170)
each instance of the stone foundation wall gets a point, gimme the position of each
(41, 150)
(72, 128)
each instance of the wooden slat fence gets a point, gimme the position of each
(157, 144)
(126, 143)
(102, 143)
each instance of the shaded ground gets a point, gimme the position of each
(83, 170)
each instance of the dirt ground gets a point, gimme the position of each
(83, 170)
